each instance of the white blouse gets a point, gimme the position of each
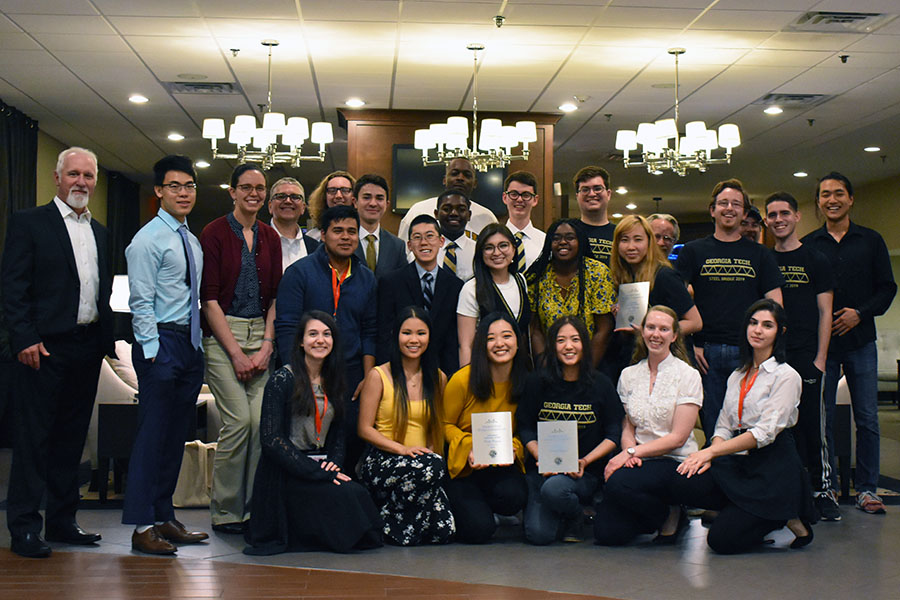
(770, 406)
(467, 305)
(653, 414)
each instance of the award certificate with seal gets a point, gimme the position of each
(492, 438)
(557, 446)
(634, 299)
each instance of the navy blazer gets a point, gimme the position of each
(40, 279)
(391, 254)
(402, 288)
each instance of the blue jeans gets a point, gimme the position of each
(722, 359)
(552, 499)
(860, 367)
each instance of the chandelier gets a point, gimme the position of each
(693, 150)
(493, 148)
(244, 133)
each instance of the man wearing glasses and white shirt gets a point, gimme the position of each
(520, 197)
(592, 193)
(287, 202)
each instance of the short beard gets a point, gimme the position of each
(77, 200)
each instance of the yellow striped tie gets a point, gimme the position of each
(520, 252)
(450, 256)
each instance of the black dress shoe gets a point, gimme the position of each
(30, 545)
(232, 528)
(71, 533)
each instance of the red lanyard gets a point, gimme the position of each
(319, 417)
(745, 388)
(336, 286)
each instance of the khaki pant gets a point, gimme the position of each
(239, 404)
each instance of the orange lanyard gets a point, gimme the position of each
(336, 286)
(319, 417)
(745, 388)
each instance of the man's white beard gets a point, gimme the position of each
(77, 200)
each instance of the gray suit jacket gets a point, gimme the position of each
(391, 253)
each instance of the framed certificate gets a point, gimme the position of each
(557, 446)
(492, 439)
(634, 300)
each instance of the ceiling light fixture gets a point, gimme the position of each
(138, 99)
(872, 149)
(568, 107)
(617, 215)
(175, 137)
(224, 186)
(773, 110)
(631, 206)
(801, 174)
(621, 190)
(201, 164)
(293, 131)
(354, 102)
(493, 148)
(691, 151)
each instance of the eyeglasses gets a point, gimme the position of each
(291, 197)
(526, 196)
(597, 189)
(177, 187)
(333, 191)
(731, 203)
(665, 238)
(564, 237)
(248, 188)
(502, 247)
(428, 237)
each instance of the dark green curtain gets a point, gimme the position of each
(123, 215)
(18, 163)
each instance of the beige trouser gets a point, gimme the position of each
(239, 404)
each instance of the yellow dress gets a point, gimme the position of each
(458, 408)
(416, 433)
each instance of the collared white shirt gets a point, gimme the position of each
(770, 406)
(420, 271)
(464, 255)
(532, 238)
(480, 217)
(364, 243)
(653, 414)
(84, 246)
(292, 249)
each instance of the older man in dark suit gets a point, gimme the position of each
(378, 249)
(425, 283)
(56, 286)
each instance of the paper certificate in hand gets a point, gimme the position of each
(634, 299)
(557, 446)
(492, 439)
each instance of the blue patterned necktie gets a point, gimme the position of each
(427, 290)
(195, 296)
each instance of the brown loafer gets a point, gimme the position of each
(150, 542)
(175, 532)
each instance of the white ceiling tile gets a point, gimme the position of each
(288, 32)
(15, 60)
(49, 7)
(350, 10)
(656, 17)
(885, 60)
(631, 37)
(261, 9)
(786, 5)
(170, 56)
(530, 14)
(790, 58)
(82, 43)
(868, 6)
(540, 35)
(811, 41)
(751, 20)
(87, 25)
(446, 35)
(160, 26)
(18, 41)
(142, 8)
(722, 39)
(876, 43)
(828, 80)
(349, 32)
(667, 3)
(447, 12)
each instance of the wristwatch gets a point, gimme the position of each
(630, 451)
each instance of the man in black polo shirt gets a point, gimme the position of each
(864, 289)
(728, 273)
(808, 294)
(592, 192)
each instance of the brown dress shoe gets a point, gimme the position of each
(175, 532)
(150, 542)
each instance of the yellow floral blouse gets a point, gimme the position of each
(549, 304)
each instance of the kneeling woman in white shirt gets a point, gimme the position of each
(751, 472)
(662, 395)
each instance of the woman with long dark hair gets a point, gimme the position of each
(564, 281)
(751, 472)
(301, 498)
(566, 388)
(400, 417)
(497, 286)
(662, 395)
(492, 382)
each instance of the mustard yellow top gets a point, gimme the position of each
(416, 433)
(458, 408)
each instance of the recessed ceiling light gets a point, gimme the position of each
(201, 164)
(801, 174)
(355, 102)
(631, 206)
(224, 186)
(138, 99)
(175, 137)
(568, 107)
(621, 190)
(773, 110)
(872, 149)
(617, 215)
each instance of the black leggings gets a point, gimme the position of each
(734, 530)
(475, 498)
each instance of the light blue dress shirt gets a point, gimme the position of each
(159, 292)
